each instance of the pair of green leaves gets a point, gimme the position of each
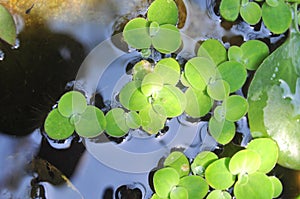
(153, 93)
(174, 182)
(159, 31)
(275, 14)
(7, 26)
(73, 113)
(245, 170)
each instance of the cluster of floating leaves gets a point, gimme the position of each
(234, 176)
(276, 14)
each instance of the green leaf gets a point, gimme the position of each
(222, 131)
(235, 53)
(274, 81)
(201, 162)
(277, 19)
(164, 180)
(198, 103)
(184, 81)
(171, 99)
(167, 40)
(268, 151)
(136, 34)
(254, 52)
(199, 71)
(229, 9)
(169, 70)
(92, 122)
(133, 120)
(57, 126)
(272, 3)
(218, 175)
(235, 107)
(218, 194)
(116, 123)
(277, 186)
(7, 26)
(151, 84)
(196, 186)
(218, 89)
(244, 162)
(179, 193)
(155, 196)
(256, 185)
(234, 73)
(140, 70)
(213, 50)
(251, 13)
(179, 162)
(163, 12)
(154, 28)
(71, 103)
(132, 98)
(153, 120)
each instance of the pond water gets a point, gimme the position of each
(76, 43)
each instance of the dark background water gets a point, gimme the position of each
(55, 39)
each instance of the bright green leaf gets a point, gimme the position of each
(244, 162)
(218, 175)
(92, 122)
(164, 180)
(179, 193)
(199, 71)
(151, 84)
(140, 70)
(167, 40)
(7, 26)
(71, 103)
(277, 19)
(251, 13)
(222, 131)
(152, 120)
(132, 98)
(169, 70)
(213, 50)
(154, 28)
(171, 99)
(116, 123)
(57, 126)
(136, 34)
(229, 9)
(133, 120)
(196, 186)
(201, 162)
(235, 107)
(272, 3)
(268, 151)
(234, 73)
(218, 194)
(198, 103)
(277, 186)
(235, 53)
(218, 89)
(254, 52)
(163, 12)
(179, 162)
(257, 185)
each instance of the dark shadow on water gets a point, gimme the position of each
(33, 77)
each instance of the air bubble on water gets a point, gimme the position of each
(1, 55)
(17, 44)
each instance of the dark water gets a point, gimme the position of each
(58, 46)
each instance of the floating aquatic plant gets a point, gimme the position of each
(7, 26)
